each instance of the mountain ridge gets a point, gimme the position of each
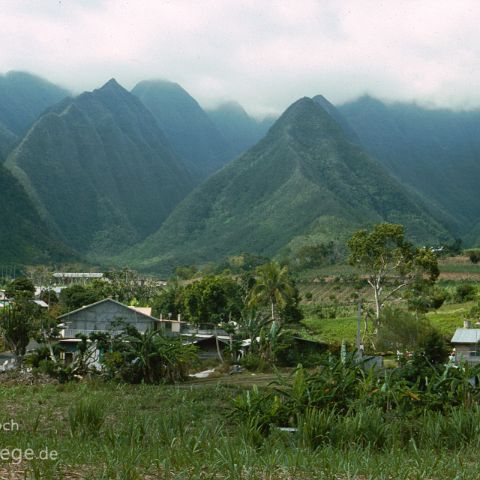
(303, 171)
(186, 125)
(99, 170)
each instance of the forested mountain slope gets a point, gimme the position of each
(188, 128)
(304, 178)
(23, 97)
(7, 141)
(100, 171)
(239, 129)
(24, 238)
(434, 152)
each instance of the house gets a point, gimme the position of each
(69, 278)
(101, 317)
(466, 344)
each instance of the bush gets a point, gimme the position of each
(465, 293)
(434, 347)
(254, 363)
(400, 329)
(474, 256)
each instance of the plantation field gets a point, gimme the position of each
(335, 280)
(333, 330)
(449, 317)
(330, 302)
(107, 431)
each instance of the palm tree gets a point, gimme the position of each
(272, 286)
(160, 358)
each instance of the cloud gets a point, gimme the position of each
(263, 54)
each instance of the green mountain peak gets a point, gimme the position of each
(100, 171)
(304, 182)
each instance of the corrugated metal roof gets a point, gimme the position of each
(77, 275)
(41, 303)
(466, 335)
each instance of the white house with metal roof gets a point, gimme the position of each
(466, 344)
(103, 315)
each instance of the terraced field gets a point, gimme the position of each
(330, 311)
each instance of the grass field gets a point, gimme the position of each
(333, 330)
(330, 288)
(107, 431)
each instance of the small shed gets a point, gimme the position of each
(207, 345)
(466, 344)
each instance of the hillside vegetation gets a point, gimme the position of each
(434, 152)
(24, 238)
(100, 171)
(187, 127)
(304, 179)
(23, 97)
(239, 129)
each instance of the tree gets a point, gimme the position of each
(273, 286)
(389, 262)
(213, 299)
(423, 296)
(77, 296)
(168, 302)
(19, 323)
(20, 286)
(150, 357)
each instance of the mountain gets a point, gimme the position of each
(304, 182)
(7, 141)
(433, 152)
(187, 127)
(23, 97)
(338, 117)
(99, 170)
(239, 129)
(24, 238)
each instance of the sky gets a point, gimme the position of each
(264, 54)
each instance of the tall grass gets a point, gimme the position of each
(161, 432)
(86, 417)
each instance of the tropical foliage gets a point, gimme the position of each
(272, 287)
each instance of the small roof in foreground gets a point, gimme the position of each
(466, 335)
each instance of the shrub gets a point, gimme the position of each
(465, 293)
(434, 347)
(255, 363)
(474, 256)
(400, 329)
